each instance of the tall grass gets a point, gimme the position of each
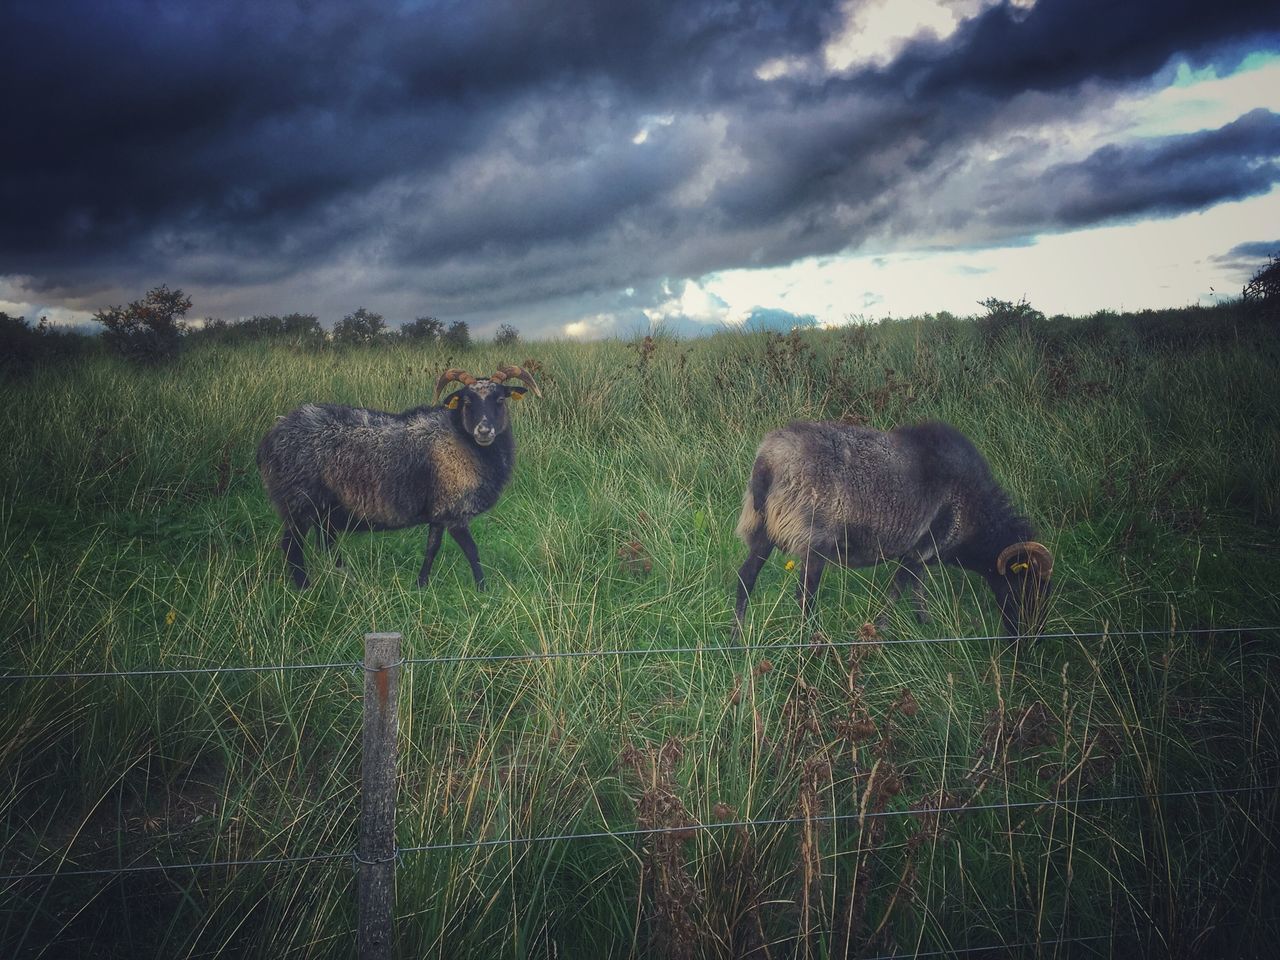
(134, 534)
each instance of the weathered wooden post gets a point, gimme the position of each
(376, 855)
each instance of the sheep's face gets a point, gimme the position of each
(1024, 600)
(1021, 581)
(482, 408)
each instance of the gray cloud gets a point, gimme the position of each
(1248, 258)
(1166, 175)
(480, 159)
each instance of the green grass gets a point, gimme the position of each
(134, 534)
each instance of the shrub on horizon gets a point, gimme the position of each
(362, 327)
(1262, 292)
(1004, 317)
(506, 336)
(427, 329)
(23, 345)
(458, 336)
(149, 330)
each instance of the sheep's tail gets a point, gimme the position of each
(752, 517)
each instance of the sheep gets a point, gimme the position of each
(338, 468)
(832, 492)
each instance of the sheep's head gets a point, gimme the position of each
(482, 403)
(1023, 585)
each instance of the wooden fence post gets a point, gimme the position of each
(376, 855)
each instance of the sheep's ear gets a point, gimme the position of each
(452, 402)
(517, 393)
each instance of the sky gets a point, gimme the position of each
(591, 169)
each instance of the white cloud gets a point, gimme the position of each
(594, 327)
(1199, 101)
(779, 67)
(874, 33)
(1153, 263)
(650, 123)
(693, 302)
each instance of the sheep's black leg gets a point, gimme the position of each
(910, 576)
(462, 535)
(807, 589)
(291, 544)
(328, 540)
(1008, 600)
(758, 551)
(435, 533)
(917, 600)
(1009, 610)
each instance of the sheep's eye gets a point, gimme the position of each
(501, 401)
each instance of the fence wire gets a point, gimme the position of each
(1069, 804)
(163, 867)
(650, 831)
(182, 671)
(835, 818)
(629, 652)
(992, 948)
(813, 645)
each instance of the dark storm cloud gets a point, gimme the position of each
(1254, 249)
(136, 117)
(465, 157)
(1168, 175)
(1246, 259)
(1062, 43)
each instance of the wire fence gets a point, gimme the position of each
(629, 652)
(1008, 948)
(627, 834)
(635, 832)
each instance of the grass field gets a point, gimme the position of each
(134, 534)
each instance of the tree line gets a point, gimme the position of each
(154, 329)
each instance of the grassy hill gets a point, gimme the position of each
(134, 534)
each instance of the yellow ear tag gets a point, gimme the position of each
(1019, 567)
(516, 396)
(452, 402)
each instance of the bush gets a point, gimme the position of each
(19, 343)
(1003, 318)
(428, 329)
(148, 330)
(458, 336)
(1187, 328)
(506, 336)
(22, 346)
(302, 330)
(1262, 292)
(296, 329)
(361, 327)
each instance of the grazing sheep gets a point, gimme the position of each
(832, 492)
(347, 468)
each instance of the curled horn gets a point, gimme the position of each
(509, 371)
(453, 373)
(1037, 555)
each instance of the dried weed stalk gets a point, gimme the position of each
(669, 895)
